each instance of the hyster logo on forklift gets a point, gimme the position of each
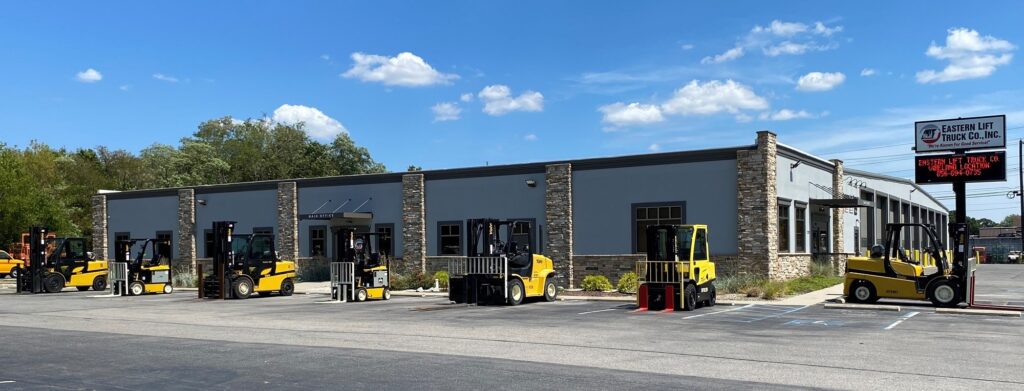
(243, 264)
(496, 271)
(55, 263)
(678, 272)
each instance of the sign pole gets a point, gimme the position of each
(960, 253)
(1020, 178)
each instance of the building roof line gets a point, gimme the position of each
(897, 180)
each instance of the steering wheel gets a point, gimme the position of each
(904, 258)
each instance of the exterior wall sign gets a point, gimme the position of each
(961, 133)
(971, 167)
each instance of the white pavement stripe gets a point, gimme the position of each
(592, 312)
(905, 317)
(7, 381)
(718, 312)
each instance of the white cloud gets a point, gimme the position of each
(821, 29)
(405, 69)
(619, 114)
(686, 46)
(89, 76)
(530, 137)
(713, 97)
(743, 118)
(785, 115)
(498, 100)
(163, 77)
(780, 28)
(325, 57)
(970, 56)
(654, 148)
(125, 87)
(868, 72)
(318, 124)
(467, 97)
(446, 111)
(729, 55)
(820, 81)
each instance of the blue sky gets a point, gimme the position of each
(502, 82)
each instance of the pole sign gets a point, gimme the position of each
(970, 167)
(960, 134)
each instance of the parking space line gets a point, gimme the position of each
(596, 311)
(752, 320)
(905, 317)
(717, 312)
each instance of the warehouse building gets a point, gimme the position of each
(772, 209)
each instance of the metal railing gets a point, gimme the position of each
(467, 266)
(661, 271)
(343, 278)
(117, 276)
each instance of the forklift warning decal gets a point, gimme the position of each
(961, 133)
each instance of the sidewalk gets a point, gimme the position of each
(815, 297)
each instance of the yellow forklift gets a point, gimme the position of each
(139, 275)
(358, 271)
(678, 273)
(56, 262)
(496, 271)
(243, 264)
(888, 272)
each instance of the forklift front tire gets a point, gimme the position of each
(287, 287)
(241, 287)
(168, 289)
(136, 288)
(862, 292)
(516, 291)
(944, 293)
(689, 298)
(550, 290)
(99, 283)
(53, 283)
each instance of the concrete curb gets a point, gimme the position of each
(969, 311)
(875, 307)
(628, 299)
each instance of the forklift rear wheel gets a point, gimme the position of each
(862, 292)
(361, 294)
(53, 283)
(550, 290)
(135, 288)
(387, 294)
(241, 287)
(168, 289)
(943, 293)
(515, 292)
(689, 298)
(99, 283)
(287, 287)
(712, 297)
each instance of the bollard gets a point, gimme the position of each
(641, 298)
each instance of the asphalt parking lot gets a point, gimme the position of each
(84, 340)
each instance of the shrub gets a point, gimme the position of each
(822, 269)
(182, 277)
(412, 281)
(628, 283)
(773, 290)
(753, 291)
(596, 283)
(442, 278)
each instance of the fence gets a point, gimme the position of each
(343, 280)
(661, 271)
(117, 276)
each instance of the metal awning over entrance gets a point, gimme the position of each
(841, 202)
(342, 219)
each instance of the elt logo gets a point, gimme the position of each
(930, 134)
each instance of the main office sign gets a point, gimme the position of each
(970, 167)
(960, 133)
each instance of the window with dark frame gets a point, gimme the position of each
(784, 227)
(801, 228)
(385, 241)
(317, 241)
(650, 214)
(119, 236)
(450, 239)
(164, 244)
(208, 243)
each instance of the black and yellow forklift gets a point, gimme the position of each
(500, 272)
(678, 273)
(141, 274)
(58, 262)
(889, 272)
(358, 270)
(244, 264)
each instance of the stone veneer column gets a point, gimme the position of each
(414, 233)
(558, 218)
(756, 200)
(99, 226)
(288, 220)
(187, 228)
(838, 245)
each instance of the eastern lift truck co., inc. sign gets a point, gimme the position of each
(961, 133)
(970, 167)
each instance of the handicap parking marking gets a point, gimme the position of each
(758, 312)
(815, 322)
(900, 320)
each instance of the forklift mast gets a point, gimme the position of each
(32, 280)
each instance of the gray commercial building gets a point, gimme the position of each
(771, 210)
